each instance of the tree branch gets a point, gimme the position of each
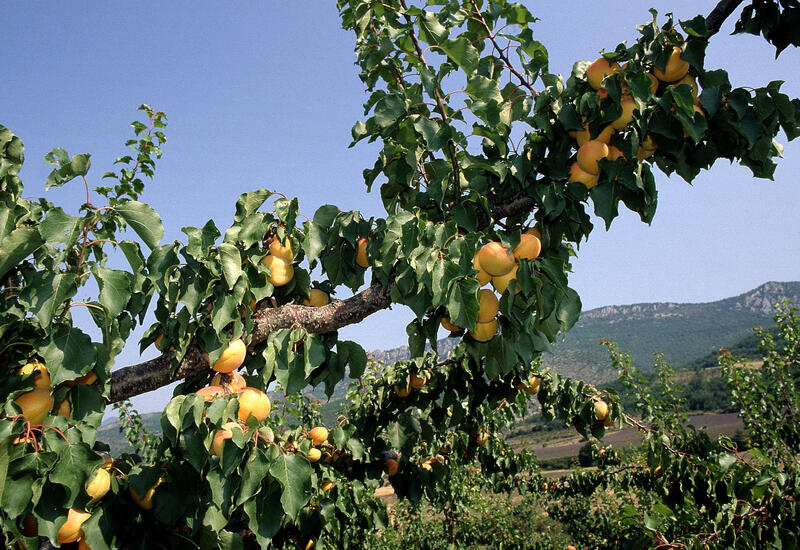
(153, 374)
(719, 14)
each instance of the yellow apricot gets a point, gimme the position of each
(496, 259)
(676, 67)
(578, 174)
(500, 284)
(318, 435)
(445, 321)
(482, 276)
(317, 298)
(484, 331)
(233, 382)
(590, 153)
(598, 70)
(99, 485)
(281, 271)
(70, 531)
(488, 305)
(42, 379)
(232, 358)
(528, 248)
(628, 105)
(35, 404)
(254, 402)
(283, 251)
(361, 253)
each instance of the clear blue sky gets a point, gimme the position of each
(263, 94)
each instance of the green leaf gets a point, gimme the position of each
(46, 292)
(265, 519)
(115, 291)
(248, 203)
(17, 246)
(462, 52)
(68, 354)
(59, 227)
(144, 221)
(293, 472)
(483, 89)
(231, 262)
(462, 301)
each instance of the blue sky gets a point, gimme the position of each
(263, 94)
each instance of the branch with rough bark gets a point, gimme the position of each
(155, 373)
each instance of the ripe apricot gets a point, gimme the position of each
(528, 248)
(598, 70)
(600, 409)
(676, 67)
(318, 435)
(417, 382)
(482, 276)
(317, 298)
(145, 503)
(42, 378)
(488, 305)
(402, 392)
(628, 105)
(254, 402)
(314, 455)
(70, 531)
(690, 81)
(35, 404)
(496, 259)
(590, 153)
(500, 284)
(484, 331)
(99, 485)
(281, 271)
(283, 251)
(653, 83)
(534, 384)
(578, 174)
(615, 153)
(482, 437)
(88, 378)
(582, 136)
(445, 322)
(63, 409)
(232, 358)
(210, 392)
(225, 432)
(232, 382)
(361, 253)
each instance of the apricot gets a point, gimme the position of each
(63, 409)
(327, 485)
(534, 384)
(628, 105)
(402, 392)
(600, 409)
(361, 253)
(445, 322)
(482, 437)
(42, 378)
(676, 67)
(496, 259)
(598, 70)
(578, 174)
(488, 305)
(210, 392)
(254, 402)
(35, 404)
(232, 358)
(225, 432)
(88, 378)
(500, 284)
(70, 531)
(484, 331)
(690, 81)
(233, 382)
(615, 153)
(417, 382)
(482, 276)
(314, 455)
(99, 485)
(653, 83)
(283, 251)
(145, 503)
(281, 271)
(582, 136)
(589, 154)
(318, 435)
(528, 248)
(317, 298)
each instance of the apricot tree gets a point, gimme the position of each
(484, 150)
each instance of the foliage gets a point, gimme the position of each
(469, 157)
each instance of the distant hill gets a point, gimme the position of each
(687, 334)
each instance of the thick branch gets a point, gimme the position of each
(719, 14)
(153, 374)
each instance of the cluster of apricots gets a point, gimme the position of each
(38, 403)
(279, 261)
(71, 530)
(591, 148)
(416, 382)
(498, 265)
